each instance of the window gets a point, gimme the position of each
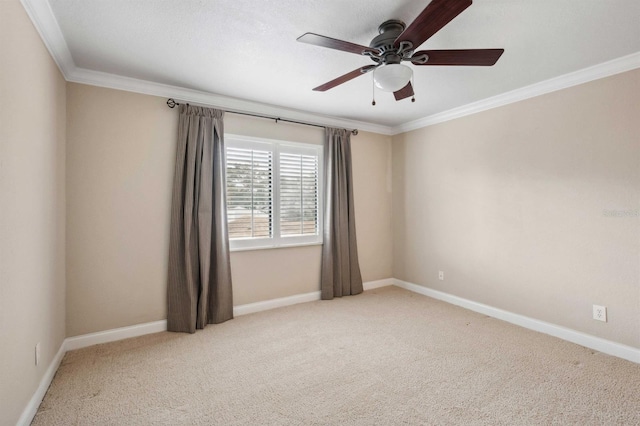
(273, 193)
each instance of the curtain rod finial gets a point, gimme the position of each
(171, 103)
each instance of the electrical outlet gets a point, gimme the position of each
(441, 275)
(37, 353)
(600, 313)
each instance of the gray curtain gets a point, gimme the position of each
(340, 270)
(199, 284)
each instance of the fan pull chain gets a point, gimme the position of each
(413, 97)
(373, 90)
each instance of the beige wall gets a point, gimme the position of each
(32, 210)
(120, 159)
(119, 173)
(510, 204)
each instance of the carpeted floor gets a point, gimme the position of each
(386, 357)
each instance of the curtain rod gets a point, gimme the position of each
(171, 103)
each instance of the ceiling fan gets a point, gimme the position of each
(397, 43)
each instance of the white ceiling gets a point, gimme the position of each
(247, 49)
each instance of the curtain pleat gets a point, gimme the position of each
(340, 274)
(199, 284)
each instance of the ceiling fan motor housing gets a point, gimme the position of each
(384, 42)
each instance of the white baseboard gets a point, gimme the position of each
(602, 345)
(31, 409)
(78, 342)
(251, 308)
(370, 285)
(82, 341)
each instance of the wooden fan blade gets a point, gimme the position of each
(344, 78)
(436, 15)
(478, 57)
(332, 43)
(405, 92)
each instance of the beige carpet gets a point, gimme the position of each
(387, 357)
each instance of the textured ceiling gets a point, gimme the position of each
(247, 49)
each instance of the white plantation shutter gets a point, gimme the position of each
(249, 193)
(273, 193)
(298, 194)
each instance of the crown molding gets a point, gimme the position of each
(45, 22)
(606, 69)
(112, 81)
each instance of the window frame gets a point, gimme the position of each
(276, 147)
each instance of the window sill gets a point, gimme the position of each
(271, 247)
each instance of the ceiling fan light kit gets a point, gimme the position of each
(392, 77)
(396, 43)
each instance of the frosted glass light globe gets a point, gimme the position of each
(392, 77)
